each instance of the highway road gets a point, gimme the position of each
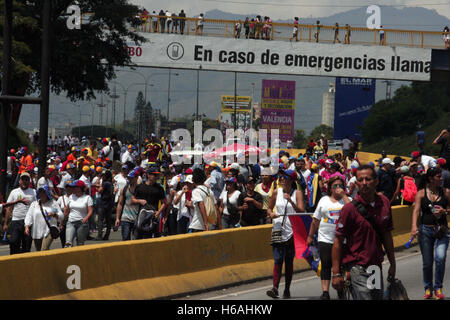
(306, 285)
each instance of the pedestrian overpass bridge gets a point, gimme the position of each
(404, 54)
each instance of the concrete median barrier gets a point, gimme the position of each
(152, 268)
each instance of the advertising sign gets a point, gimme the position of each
(354, 98)
(243, 104)
(278, 107)
(281, 57)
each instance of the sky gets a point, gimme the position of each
(283, 9)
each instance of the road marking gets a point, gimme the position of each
(235, 294)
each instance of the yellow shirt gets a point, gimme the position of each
(92, 154)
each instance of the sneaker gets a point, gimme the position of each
(438, 294)
(286, 294)
(428, 294)
(273, 293)
(325, 296)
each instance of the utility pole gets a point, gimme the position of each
(114, 97)
(235, 97)
(45, 87)
(198, 84)
(6, 84)
(251, 106)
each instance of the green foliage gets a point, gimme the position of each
(419, 104)
(323, 128)
(82, 61)
(299, 139)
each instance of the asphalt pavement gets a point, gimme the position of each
(306, 285)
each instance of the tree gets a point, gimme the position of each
(299, 139)
(322, 129)
(82, 61)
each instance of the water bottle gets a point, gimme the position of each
(408, 244)
(5, 237)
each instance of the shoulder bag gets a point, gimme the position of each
(54, 231)
(276, 236)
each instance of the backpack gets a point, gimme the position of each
(409, 190)
(210, 208)
(146, 221)
(116, 151)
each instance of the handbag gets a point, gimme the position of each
(54, 231)
(276, 236)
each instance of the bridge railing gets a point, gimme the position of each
(306, 33)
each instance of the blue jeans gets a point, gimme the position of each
(229, 222)
(429, 246)
(127, 230)
(76, 229)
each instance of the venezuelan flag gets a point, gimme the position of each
(300, 227)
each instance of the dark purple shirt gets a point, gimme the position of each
(363, 246)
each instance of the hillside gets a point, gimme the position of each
(404, 145)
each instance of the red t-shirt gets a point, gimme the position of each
(363, 247)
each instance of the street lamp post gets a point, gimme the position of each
(168, 95)
(251, 107)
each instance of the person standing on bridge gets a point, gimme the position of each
(433, 202)
(295, 30)
(347, 34)
(382, 39)
(366, 224)
(182, 18)
(200, 23)
(162, 21)
(287, 200)
(446, 37)
(336, 33)
(316, 34)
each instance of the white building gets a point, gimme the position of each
(328, 106)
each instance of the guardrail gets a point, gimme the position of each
(153, 268)
(306, 32)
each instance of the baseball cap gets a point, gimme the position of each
(314, 166)
(153, 170)
(231, 180)
(251, 179)
(404, 169)
(388, 161)
(441, 161)
(415, 154)
(235, 166)
(213, 164)
(290, 174)
(189, 179)
(12, 151)
(132, 174)
(70, 166)
(292, 158)
(78, 183)
(25, 174)
(86, 169)
(84, 150)
(124, 167)
(99, 169)
(104, 140)
(189, 171)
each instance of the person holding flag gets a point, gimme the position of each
(287, 200)
(324, 220)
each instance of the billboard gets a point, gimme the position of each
(281, 57)
(278, 107)
(354, 98)
(243, 104)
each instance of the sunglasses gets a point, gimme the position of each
(335, 186)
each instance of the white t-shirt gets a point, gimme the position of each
(284, 207)
(65, 176)
(428, 161)
(355, 191)
(346, 143)
(198, 196)
(108, 152)
(20, 210)
(35, 219)
(119, 182)
(42, 182)
(200, 21)
(306, 174)
(79, 207)
(61, 201)
(183, 211)
(328, 214)
(232, 200)
(127, 157)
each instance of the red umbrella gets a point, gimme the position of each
(235, 148)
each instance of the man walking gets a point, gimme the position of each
(366, 224)
(385, 178)
(22, 197)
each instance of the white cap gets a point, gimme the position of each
(387, 161)
(235, 166)
(189, 179)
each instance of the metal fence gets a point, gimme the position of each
(285, 32)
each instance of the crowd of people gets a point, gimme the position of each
(254, 28)
(87, 192)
